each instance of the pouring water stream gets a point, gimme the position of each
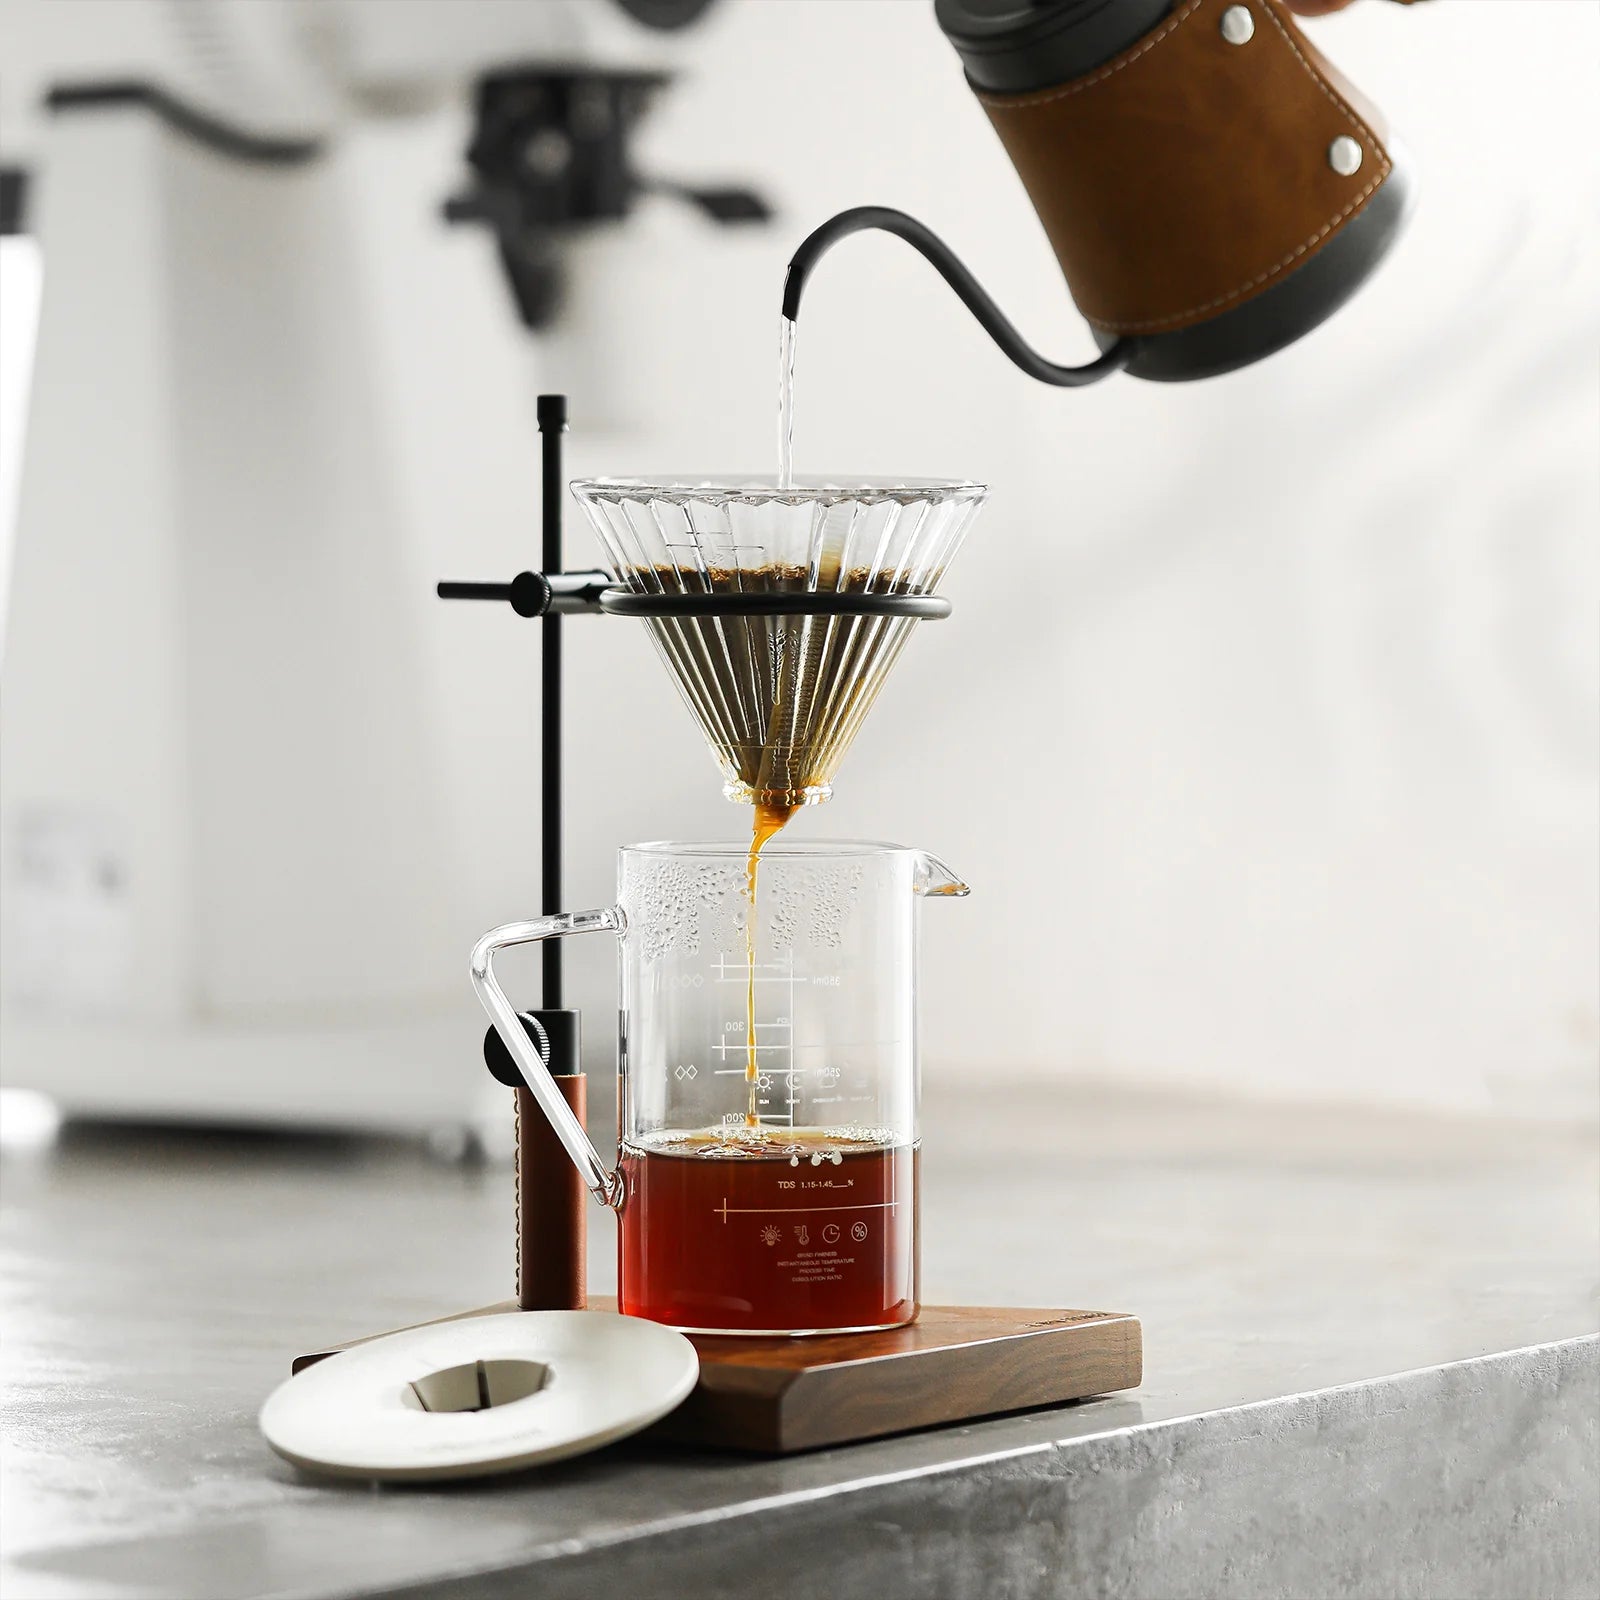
(786, 343)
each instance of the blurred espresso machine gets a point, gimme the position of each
(228, 871)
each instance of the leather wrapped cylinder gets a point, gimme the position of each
(552, 1203)
(552, 1209)
(1188, 178)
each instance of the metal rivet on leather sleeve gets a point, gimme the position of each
(1238, 26)
(1345, 156)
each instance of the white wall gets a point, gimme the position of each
(1264, 728)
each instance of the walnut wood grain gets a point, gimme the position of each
(953, 1364)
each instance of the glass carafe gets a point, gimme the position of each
(768, 1095)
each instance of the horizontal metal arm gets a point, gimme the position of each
(538, 594)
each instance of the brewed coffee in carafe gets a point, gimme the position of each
(830, 1242)
(806, 1221)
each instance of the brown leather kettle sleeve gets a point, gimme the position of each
(552, 1208)
(1192, 172)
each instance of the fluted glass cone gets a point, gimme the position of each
(779, 698)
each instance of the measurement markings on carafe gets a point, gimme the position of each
(725, 1211)
(779, 1037)
(743, 973)
(730, 970)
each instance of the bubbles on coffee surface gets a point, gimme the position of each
(738, 1141)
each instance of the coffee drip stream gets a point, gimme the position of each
(778, 693)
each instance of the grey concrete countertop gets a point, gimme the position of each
(1367, 1372)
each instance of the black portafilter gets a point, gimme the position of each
(552, 154)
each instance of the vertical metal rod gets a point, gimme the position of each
(552, 415)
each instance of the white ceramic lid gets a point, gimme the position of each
(480, 1395)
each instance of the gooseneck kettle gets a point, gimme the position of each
(1213, 187)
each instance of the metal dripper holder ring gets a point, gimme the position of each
(538, 594)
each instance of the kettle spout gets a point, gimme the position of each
(933, 877)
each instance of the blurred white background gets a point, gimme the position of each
(1264, 729)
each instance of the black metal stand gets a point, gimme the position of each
(552, 415)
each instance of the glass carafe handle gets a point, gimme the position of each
(603, 1182)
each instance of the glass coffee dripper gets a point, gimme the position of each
(766, 1179)
(779, 612)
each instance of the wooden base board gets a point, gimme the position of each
(953, 1364)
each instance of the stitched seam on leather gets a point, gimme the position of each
(1175, 20)
(1148, 324)
(516, 1105)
